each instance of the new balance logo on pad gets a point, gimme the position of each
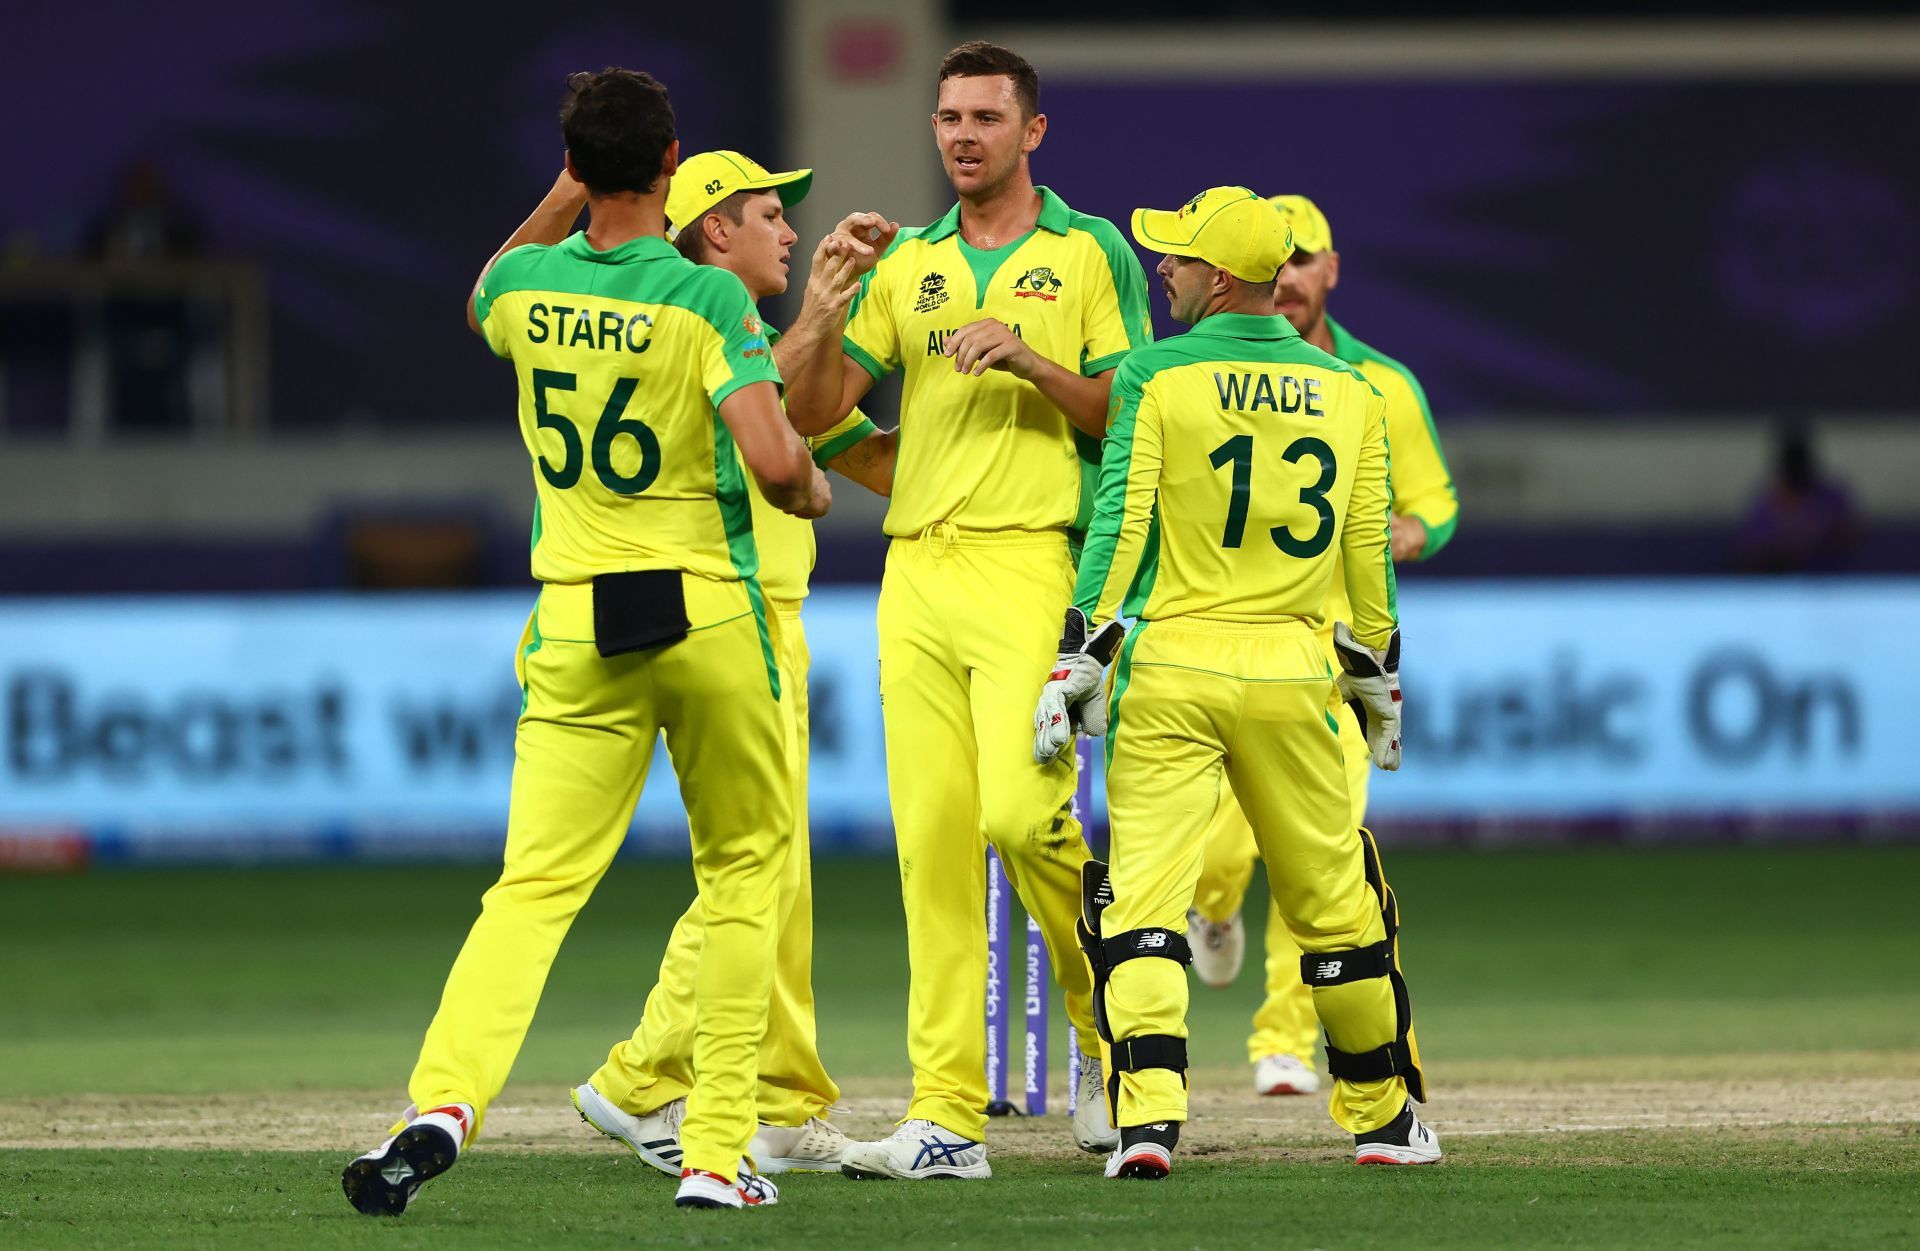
(1327, 970)
(1148, 941)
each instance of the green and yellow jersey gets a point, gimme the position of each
(785, 541)
(991, 452)
(1242, 466)
(1422, 487)
(623, 358)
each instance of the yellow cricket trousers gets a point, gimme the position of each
(585, 737)
(655, 1066)
(969, 625)
(1284, 1024)
(1198, 705)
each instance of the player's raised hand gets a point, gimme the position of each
(865, 237)
(832, 281)
(989, 344)
(1372, 678)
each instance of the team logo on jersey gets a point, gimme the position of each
(933, 293)
(1039, 283)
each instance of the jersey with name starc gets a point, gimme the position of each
(992, 452)
(623, 359)
(1241, 462)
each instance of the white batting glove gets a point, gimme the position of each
(1074, 697)
(1372, 678)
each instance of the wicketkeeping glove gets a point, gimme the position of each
(1372, 678)
(1074, 697)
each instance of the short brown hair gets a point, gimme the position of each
(692, 239)
(979, 59)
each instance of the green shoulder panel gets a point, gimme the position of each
(512, 272)
(1129, 277)
(1420, 397)
(713, 294)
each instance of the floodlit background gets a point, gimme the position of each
(263, 507)
(264, 515)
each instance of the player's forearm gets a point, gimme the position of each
(1082, 401)
(816, 392)
(549, 223)
(799, 350)
(870, 462)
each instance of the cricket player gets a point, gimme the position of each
(640, 374)
(726, 210)
(1425, 510)
(1243, 470)
(1008, 316)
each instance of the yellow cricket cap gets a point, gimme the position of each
(1230, 227)
(704, 180)
(1310, 230)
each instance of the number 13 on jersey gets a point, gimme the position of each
(1238, 452)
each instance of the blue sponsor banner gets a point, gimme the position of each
(295, 727)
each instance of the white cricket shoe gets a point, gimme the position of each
(815, 1147)
(1285, 1075)
(655, 1137)
(1093, 1129)
(918, 1150)
(1219, 947)
(701, 1189)
(1403, 1140)
(384, 1180)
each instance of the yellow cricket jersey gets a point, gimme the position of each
(785, 541)
(992, 453)
(1241, 464)
(1422, 487)
(623, 358)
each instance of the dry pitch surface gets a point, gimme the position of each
(1876, 1093)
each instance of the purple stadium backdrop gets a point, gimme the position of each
(1602, 246)
(369, 156)
(1591, 246)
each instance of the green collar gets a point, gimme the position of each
(645, 248)
(1245, 326)
(1055, 216)
(1345, 346)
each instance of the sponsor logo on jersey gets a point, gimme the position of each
(933, 293)
(1038, 283)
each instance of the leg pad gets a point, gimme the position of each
(1382, 959)
(1336, 968)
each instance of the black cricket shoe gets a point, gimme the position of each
(1145, 1152)
(384, 1180)
(1403, 1140)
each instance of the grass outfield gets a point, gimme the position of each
(1658, 1048)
